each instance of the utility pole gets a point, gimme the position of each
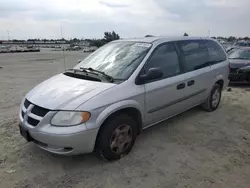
(8, 33)
(64, 61)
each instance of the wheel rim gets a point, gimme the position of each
(216, 98)
(121, 139)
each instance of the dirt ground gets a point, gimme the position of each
(193, 150)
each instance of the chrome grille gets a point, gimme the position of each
(32, 114)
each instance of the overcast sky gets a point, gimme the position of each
(130, 18)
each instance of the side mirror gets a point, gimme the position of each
(152, 74)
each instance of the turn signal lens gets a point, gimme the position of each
(85, 116)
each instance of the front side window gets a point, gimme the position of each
(240, 54)
(164, 57)
(117, 59)
(215, 52)
(195, 54)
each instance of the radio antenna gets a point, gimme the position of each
(64, 61)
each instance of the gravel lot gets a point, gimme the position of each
(195, 149)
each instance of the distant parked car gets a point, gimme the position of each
(86, 49)
(237, 45)
(73, 48)
(243, 43)
(240, 65)
(93, 48)
(76, 48)
(3, 50)
(12, 49)
(90, 49)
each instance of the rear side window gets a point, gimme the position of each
(215, 52)
(165, 57)
(194, 53)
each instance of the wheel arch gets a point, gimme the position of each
(220, 83)
(131, 108)
(223, 82)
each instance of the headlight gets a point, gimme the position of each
(70, 118)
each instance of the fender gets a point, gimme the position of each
(217, 78)
(119, 106)
(220, 77)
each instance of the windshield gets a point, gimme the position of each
(240, 54)
(117, 59)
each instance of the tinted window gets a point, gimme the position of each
(195, 54)
(166, 58)
(215, 52)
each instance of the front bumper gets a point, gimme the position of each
(64, 144)
(59, 140)
(239, 77)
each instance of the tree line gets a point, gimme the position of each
(108, 37)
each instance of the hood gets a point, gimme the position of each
(62, 92)
(239, 63)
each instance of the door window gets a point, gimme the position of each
(215, 52)
(165, 57)
(195, 54)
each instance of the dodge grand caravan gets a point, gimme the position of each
(106, 100)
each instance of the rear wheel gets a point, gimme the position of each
(117, 137)
(213, 99)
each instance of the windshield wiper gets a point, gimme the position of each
(240, 58)
(108, 77)
(72, 70)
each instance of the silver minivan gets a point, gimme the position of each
(106, 100)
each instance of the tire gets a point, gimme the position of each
(208, 105)
(108, 139)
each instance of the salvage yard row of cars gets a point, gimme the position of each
(16, 49)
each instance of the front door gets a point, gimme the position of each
(163, 95)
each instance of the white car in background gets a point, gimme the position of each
(90, 49)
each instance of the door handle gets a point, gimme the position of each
(181, 86)
(191, 82)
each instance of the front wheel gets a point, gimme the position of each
(117, 137)
(213, 99)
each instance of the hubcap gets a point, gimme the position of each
(121, 139)
(216, 98)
